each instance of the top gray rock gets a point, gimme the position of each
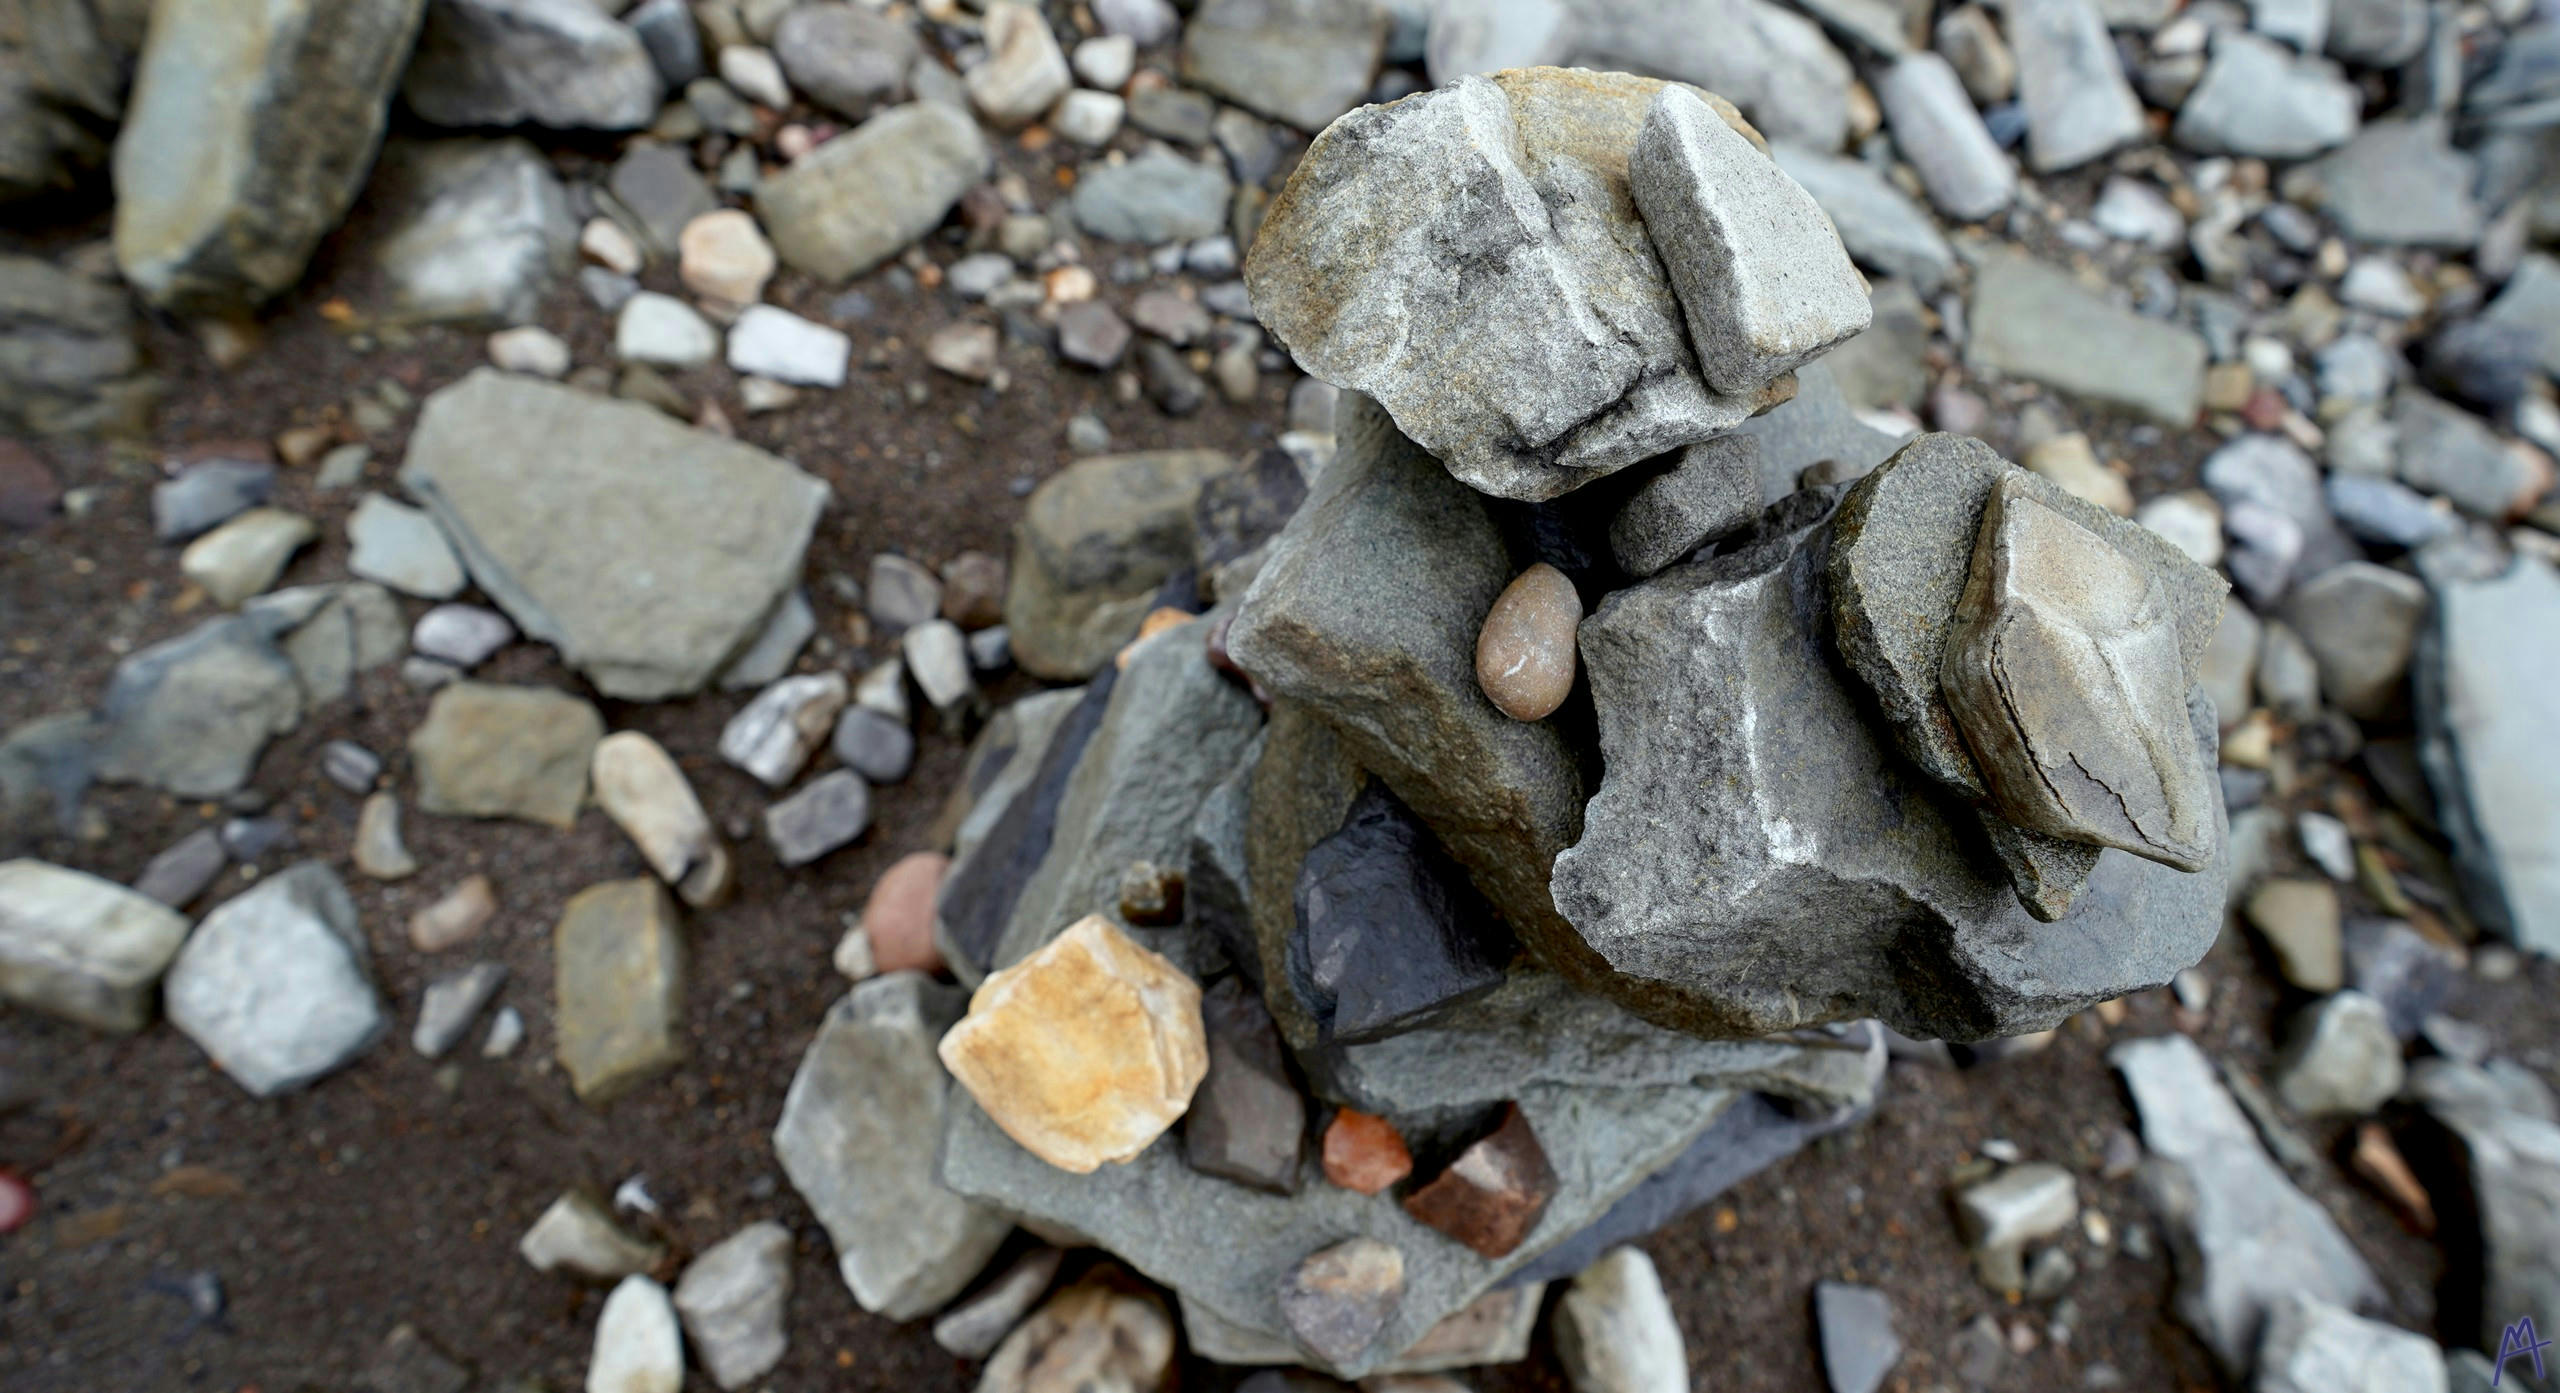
(1300, 61)
(1763, 281)
(250, 130)
(562, 63)
(860, 198)
(648, 553)
(1551, 350)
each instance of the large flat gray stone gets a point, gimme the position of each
(648, 553)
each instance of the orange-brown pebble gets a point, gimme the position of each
(1159, 619)
(898, 918)
(1525, 652)
(1364, 1153)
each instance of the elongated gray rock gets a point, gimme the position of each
(250, 129)
(1389, 935)
(2506, 1189)
(1749, 795)
(276, 985)
(1385, 658)
(1553, 351)
(1763, 281)
(560, 63)
(860, 198)
(856, 1139)
(1711, 489)
(2243, 1237)
(2490, 733)
(2078, 104)
(648, 553)
(84, 949)
(2033, 322)
(1936, 127)
(2400, 182)
(1019, 768)
(2065, 676)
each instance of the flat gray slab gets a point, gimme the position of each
(2034, 322)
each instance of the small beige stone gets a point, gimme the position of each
(1084, 1052)
(618, 972)
(723, 256)
(2299, 918)
(2072, 463)
(1525, 651)
(457, 918)
(1025, 71)
(244, 556)
(639, 786)
(605, 243)
(379, 852)
(2065, 678)
(486, 750)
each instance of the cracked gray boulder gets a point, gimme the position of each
(250, 130)
(567, 64)
(1473, 259)
(1750, 797)
(648, 553)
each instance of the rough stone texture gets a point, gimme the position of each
(1084, 1052)
(860, 198)
(1024, 71)
(84, 949)
(2078, 104)
(1305, 62)
(2311, 1346)
(1248, 1122)
(1555, 352)
(1702, 917)
(1615, 1332)
(855, 1140)
(1491, 1196)
(1524, 652)
(1935, 124)
(1880, 225)
(561, 63)
(648, 553)
(773, 736)
(247, 137)
(1763, 282)
(1384, 659)
(481, 229)
(618, 973)
(2489, 731)
(492, 751)
(450, 1004)
(732, 1299)
(1710, 490)
(2506, 1190)
(2243, 1237)
(2031, 321)
(1364, 1153)
(1020, 766)
(276, 985)
(1771, 61)
(1338, 1300)
(2361, 623)
(2065, 675)
(1818, 425)
(1095, 543)
(1390, 935)
(189, 715)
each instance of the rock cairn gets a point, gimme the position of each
(1513, 843)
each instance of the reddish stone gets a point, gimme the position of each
(2264, 409)
(973, 590)
(17, 1202)
(1491, 1196)
(1364, 1153)
(28, 491)
(898, 918)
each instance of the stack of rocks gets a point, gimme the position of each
(1491, 855)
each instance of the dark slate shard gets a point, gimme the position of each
(1494, 1193)
(1366, 614)
(975, 908)
(1753, 1134)
(1303, 786)
(1750, 800)
(1239, 511)
(1390, 934)
(1248, 1122)
(1219, 898)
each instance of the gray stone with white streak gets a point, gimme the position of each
(276, 985)
(479, 229)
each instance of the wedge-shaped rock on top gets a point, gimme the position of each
(1761, 275)
(648, 553)
(2065, 678)
(1473, 258)
(1084, 1052)
(1757, 858)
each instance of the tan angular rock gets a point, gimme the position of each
(1025, 71)
(2065, 678)
(618, 972)
(723, 256)
(496, 751)
(1085, 1051)
(639, 786)
(1525, 653)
